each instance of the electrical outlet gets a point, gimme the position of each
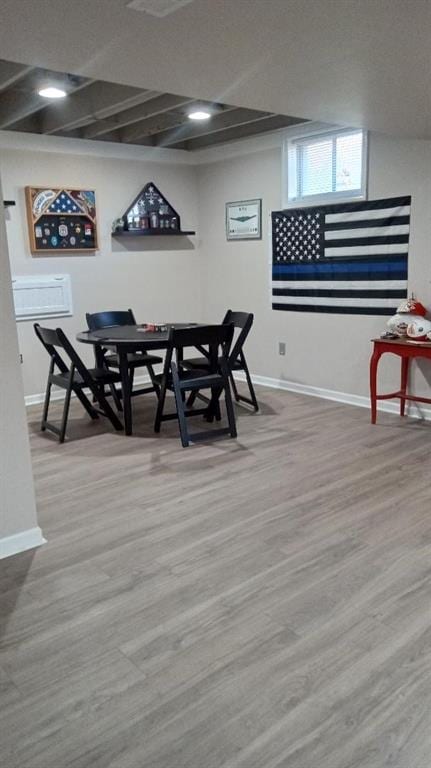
(21, 359)
(281, 348)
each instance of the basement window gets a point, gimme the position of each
(326, 166)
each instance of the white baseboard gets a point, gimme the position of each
(21, 542)
(414, 410)
(39, 398)
(58, 394)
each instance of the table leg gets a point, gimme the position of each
(404, 381)
(100, 356)
(375, 357)
(125, 385)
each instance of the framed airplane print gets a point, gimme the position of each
(61, 219)
(244, 220)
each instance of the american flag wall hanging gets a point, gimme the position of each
(61, 219)
(346, 258)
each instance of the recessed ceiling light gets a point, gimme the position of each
(52, 93)
(200, 114)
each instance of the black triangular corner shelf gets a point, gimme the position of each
(150, 214)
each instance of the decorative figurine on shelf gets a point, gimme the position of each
(150, 214)
(412, 306)
(419, 329)
(118, 225)
(409, 311)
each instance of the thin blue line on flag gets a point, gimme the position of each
(365, 242)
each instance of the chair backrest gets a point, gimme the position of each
(243, 321)
(98, 320)
(53, 340)
(217, 338)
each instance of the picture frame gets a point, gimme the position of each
(244, 220)
(61, 220)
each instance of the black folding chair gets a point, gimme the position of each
(74, 379)
(215, 376)
(99, 320)
(237, 362)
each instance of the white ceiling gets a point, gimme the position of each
(360, 62)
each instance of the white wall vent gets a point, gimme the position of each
(42, 297)
(158, 8)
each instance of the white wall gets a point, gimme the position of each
(199, 278)
(324, 351)
(18, 523)
(158, 277)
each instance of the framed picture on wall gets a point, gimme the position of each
(61, 219)
(244, 220)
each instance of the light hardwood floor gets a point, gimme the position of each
(259, 603)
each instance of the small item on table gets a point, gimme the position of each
(412, 306)
(154, 327)
(419, 329)
(399, 323)
(388, 335)
(409, 311)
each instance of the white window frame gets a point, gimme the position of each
(293, 138)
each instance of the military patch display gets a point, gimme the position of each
(61, 219)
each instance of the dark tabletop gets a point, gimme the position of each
(130, 336)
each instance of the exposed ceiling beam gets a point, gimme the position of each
(19, 107)
(271, 123)
(155, 104)
(11, 73)
(145, 127)
(16, 106)
(96, 101)
(151, 127)
(229, 118)
(118, 113)
(99, 101)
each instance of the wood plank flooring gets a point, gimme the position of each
(258, 603)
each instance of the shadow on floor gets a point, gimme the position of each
(80, 427)
(13, 576)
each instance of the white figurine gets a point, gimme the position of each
(399, 323)
(418, 329)
(408, 312)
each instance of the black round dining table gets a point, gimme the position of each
(127, 339)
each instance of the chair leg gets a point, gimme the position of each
(217, 411)
(254, 402)
(83, 399)
(214, 405)
(107, 410)
(46, 405)
(66, 408)
(234, 389)
(116, 397)
(160, 407)
(191, 398)
(131, 377)
(179, 401)
(153, 380)
(229, 409)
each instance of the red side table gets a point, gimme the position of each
(406, 350)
